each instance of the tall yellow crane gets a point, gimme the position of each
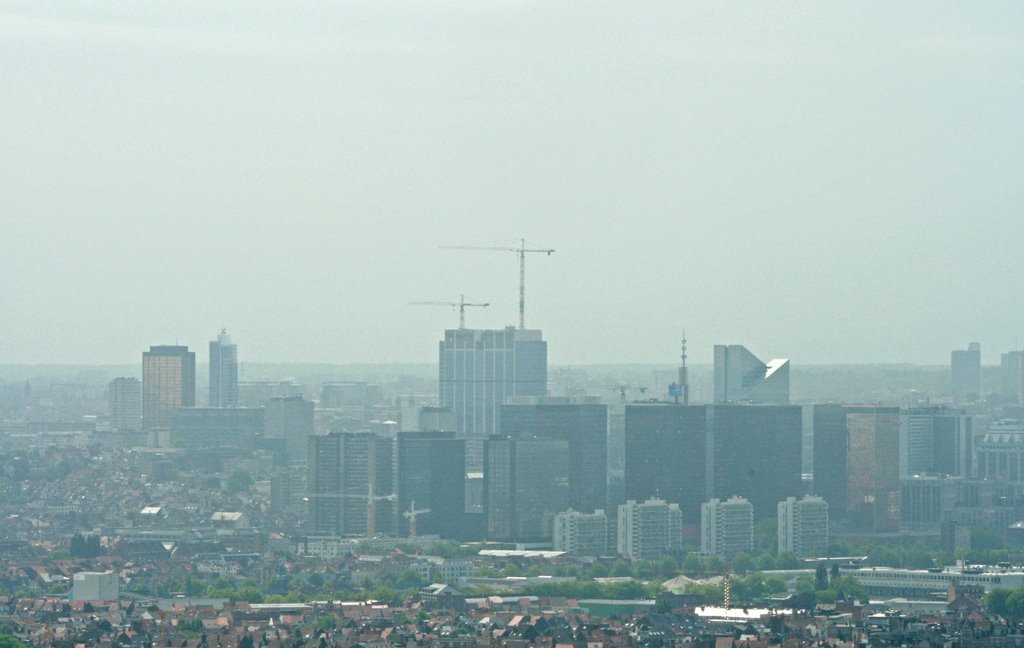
(521, 252)
(461, 305)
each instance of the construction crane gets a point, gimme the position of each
(371, 509)
(521, 251)
(461, 305)
(411, 514)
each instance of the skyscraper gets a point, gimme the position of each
(584, 426)
(803, 526)
(526, 483)
(934, 440)
(965, 372)
(873, 467)
(124, 399)
(479, 370)
(351, 484)
(223, 371)
(826, 424)
(432, 475)
(686, 454)
(290, 419)
(726, 527)
(168, 382)
(740, 377)
(666, 448)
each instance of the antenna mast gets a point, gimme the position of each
(684, 374)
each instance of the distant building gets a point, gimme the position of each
(256, 394)
(1011, 376)
(351, 484)
(726, 527)
(927, 501)
(124, 399)
(335, 395)
(581, 534)
(432, 477)
(234, 430)
(830, 442)
(740, 377)
(873, 467)
(423, 418)
(803, 526)
(95, 586)
(526, 483)
(223, 371)
(290, 419)
(584, 426)
(687, 454)
(965, 372)
(648, 529)
(934, 440)
(480, 370)
(168, 383)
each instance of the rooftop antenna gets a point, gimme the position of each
(521, 252)
(684, 374)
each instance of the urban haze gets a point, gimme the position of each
(511, 324)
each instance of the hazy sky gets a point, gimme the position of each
(829, 182)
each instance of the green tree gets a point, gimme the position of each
(693, 565)
(326, 622)
(787, 560)
(668, 567)
(239, 480)
(821, 577)
(598, 570)
(7, 640)
(742, 562)
(620, 568)
(997, 601)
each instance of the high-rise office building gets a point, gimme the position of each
(168, 382)
(480, 370)
(1011, 376)
(526, 483)
(934, 441)
(826, 425)
(965, 372)
(740, 377)
(726, 527)
(584, 426)
(223, 371)
(432, 477)
(666, 455)
(290, 419)
(873, 467)
(757, 453)
(351, 484)
(689, 453)
(803, 526)
(581, 534)
(648, 529)
(124, 400)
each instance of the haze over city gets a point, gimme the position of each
(833, 183)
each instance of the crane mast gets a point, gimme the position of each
(461, 305)
(521, 252)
